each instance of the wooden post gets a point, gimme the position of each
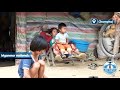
(117, 40)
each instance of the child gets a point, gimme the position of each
(53, 32)
(34, 68)
(75, 51)
(62, 40)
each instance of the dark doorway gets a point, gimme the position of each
(7, 34)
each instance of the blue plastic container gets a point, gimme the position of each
(81, 45)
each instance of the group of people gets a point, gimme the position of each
(35, 67)
(62, 45)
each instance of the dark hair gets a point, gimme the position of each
(38, 43)
(61, 25)
(50, 31)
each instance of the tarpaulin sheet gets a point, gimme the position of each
(29, 24)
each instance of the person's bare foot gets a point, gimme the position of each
(58, 57)
(63, 56)
(81, 56)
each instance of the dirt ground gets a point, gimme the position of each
(79, 70)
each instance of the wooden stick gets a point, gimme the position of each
(117, 40)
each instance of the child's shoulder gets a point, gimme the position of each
(26, 60)
(65, 33)
(58, 34)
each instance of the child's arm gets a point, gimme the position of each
(57, 41)
(67, 40)
(26, 68)
(27, 73)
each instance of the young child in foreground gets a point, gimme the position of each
(34, 68)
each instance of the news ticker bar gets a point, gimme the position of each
(16, 55)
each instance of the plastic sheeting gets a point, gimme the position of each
(29, 24)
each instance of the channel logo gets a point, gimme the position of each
(110, 67)
(97, 21)
(94, 21)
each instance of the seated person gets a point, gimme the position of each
(62, 41)
(75, 51)
(46, 35)
(53, 32)
(65, 46)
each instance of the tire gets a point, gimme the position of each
(101, 44)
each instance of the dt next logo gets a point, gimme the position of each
(110, 67)
(97, 21)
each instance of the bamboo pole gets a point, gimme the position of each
(117, 40)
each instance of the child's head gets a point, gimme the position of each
(38, 44)
(53, 31)
(62, 27)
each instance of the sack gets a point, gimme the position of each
(101, 54)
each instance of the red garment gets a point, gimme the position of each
(47, 37)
